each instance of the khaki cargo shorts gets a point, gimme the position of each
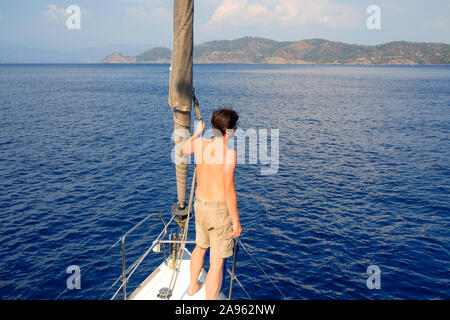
(213, 227)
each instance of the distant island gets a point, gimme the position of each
(118, 58)
(253, 50)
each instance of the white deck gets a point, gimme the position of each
(160, 278)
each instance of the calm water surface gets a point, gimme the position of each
(364, 176)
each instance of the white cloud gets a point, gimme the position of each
(150, 11)
(234, 11)
(55, 14)
(284, 12)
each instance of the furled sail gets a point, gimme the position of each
(180, 87)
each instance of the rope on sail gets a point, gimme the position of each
(196, 105)
(186, 228)
(180, 252)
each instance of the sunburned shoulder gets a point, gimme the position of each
(210, 153)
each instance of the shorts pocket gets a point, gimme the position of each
(218, 220)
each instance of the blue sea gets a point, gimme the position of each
(363, 179)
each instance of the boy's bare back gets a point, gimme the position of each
(211, 156)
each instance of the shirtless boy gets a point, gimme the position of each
(216, 212)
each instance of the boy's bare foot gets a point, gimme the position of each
(193, 289)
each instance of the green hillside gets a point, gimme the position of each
(313, 51)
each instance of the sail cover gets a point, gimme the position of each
(180, 87)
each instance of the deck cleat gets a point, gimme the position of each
(164, 293)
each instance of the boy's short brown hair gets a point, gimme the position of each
(223, 119)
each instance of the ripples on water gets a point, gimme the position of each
(363, 179)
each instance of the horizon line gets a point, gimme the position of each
(219, 40)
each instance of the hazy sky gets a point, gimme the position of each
(42, 23)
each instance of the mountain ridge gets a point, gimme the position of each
(253, 50)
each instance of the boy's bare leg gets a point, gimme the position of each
(214, 278)
(197, 257)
